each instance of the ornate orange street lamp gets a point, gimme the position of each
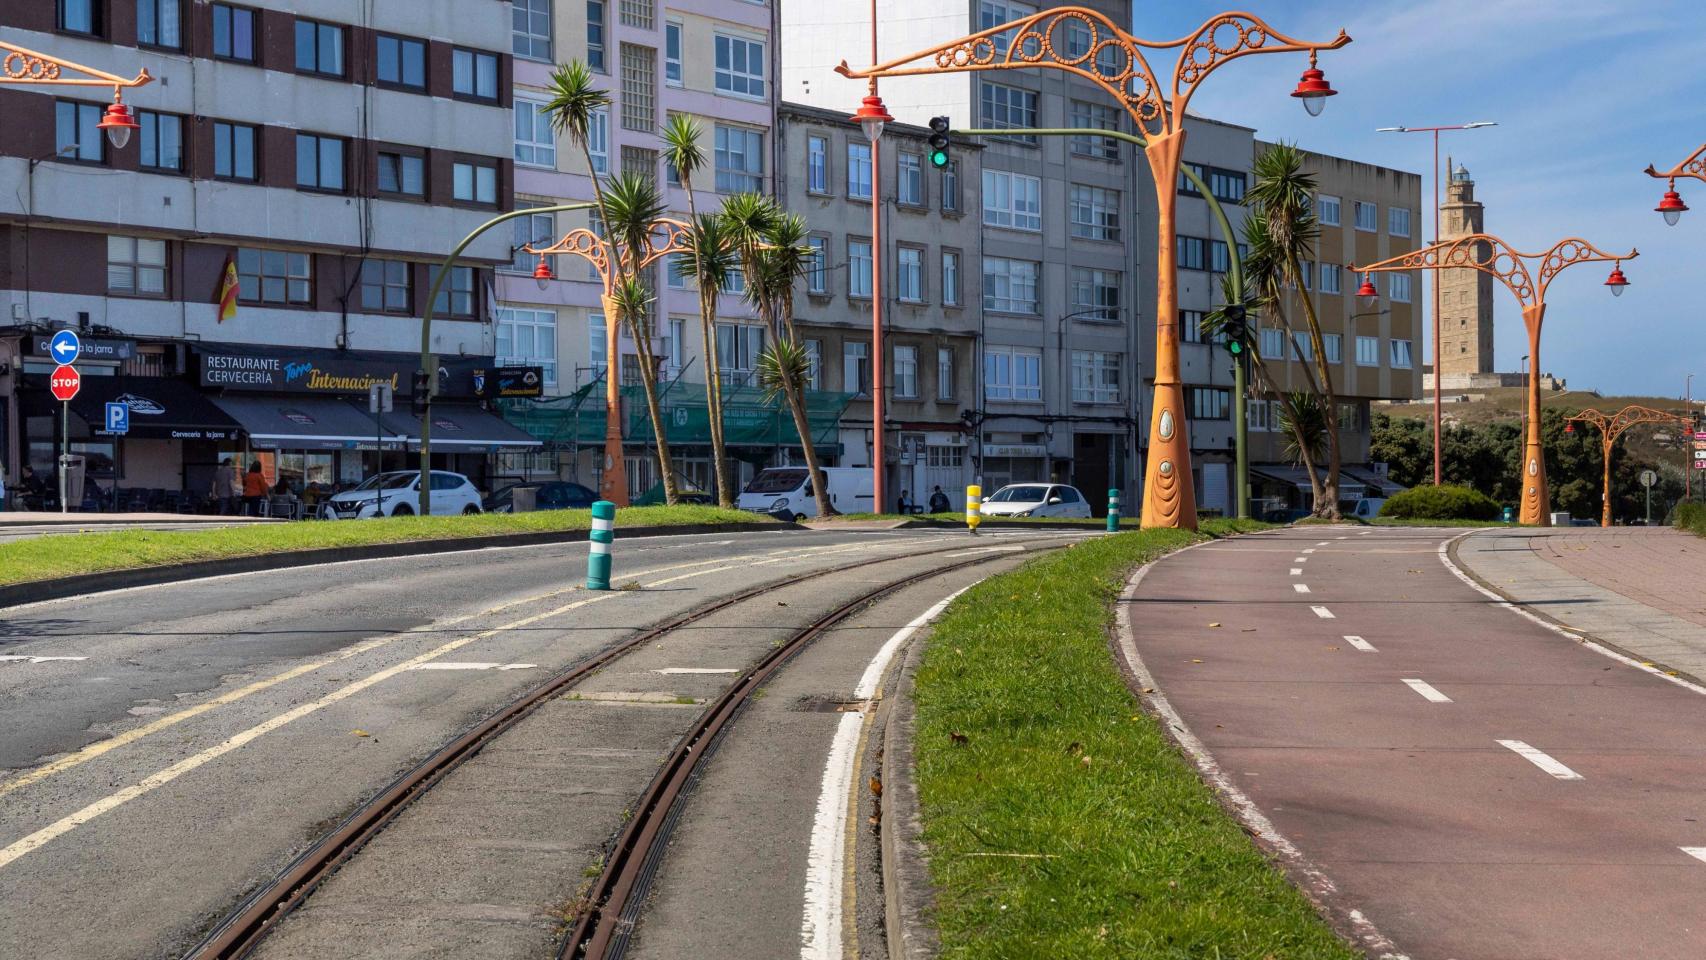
(27, 66)
(1672, 206)
(1114, 60)
(666, 237)
(1610, 428)
(1492, 256)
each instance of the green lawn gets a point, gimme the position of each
(60, 555)
(1060, 820)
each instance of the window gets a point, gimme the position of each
(76, 136)
(1368, 351)
(474, 182)
(1400, 354)
(739, 346)
(994, 13)
(1186, 185)
(1220, 256)
(535, 141)
(157, 24)
(740, 160)
(162, 141)
(1327, 210)
(319, 48)
(672, 53)
(273, 276)
(1259, 414)
(1012, 200)
(1332, 344)
(817, 270)
(1350, 416)
(537, 229)
(910, 170)
(950, 279)
(385, 286)
(1078, 47)
(909, 280)
(80, 16)
(530, 29)
(740, 66)
(1191, 253)
(640, 14)
(817, 165)
(595, 35)
(528, 338)
(639, 88)
(402, 173)
(1095, 116)
(136, 267)
(1330, 278)
(1013, 373)
(856, 367)
(1303, 349)
(1306, 270)
(234, 151)
(456, 297)
(233, 33)
(1095, 377)
(1094, 213)
(598, 139)
(1273, 343)
(639, 160)
(1398, 221)
(1095, 294)
(1400, 288)
(673, 265)
(1190, 327)
(1367, 216)
(1010, 286)
(474, 74)
(1005, 108)
(1210, 403)
(402, 61)
(319, 162)
(598, 348)
(859, 171)
(906, 372)
(858, 268)
(1227, 185)
(951, 186)
(814, 364)
(944, 373)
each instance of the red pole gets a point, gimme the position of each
(879, 501)
(1438, 358)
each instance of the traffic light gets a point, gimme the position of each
(418, 399)
(939, 127)
(1234, 333)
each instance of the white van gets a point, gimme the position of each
(1368, 508)
(788, 489)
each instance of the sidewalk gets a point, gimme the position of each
(1636, 588)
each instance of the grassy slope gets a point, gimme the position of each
(1066, 824)
(62, 555)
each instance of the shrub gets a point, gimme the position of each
(1440, 503)
(1690, 517)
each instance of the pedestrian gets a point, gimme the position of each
(939, 501)
(31, 490)
(224, 490)
(254, 489)
(905, 502)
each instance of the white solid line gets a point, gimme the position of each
(25, 659)
(1541, 760)
(698, 670)
(1300, 587)
(1360, 644)
(474, 665)
(1322, 544)
(1323, 613)
(1427, 691)
(1698, 853)
(1011, 548)
(1297, 571)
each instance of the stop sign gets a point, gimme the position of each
(64, 383)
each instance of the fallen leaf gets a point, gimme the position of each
(876, 786)
(1085, 760)
(1248, 630)
(1214, 625)
(1075, 747)
(1196, 661)
(360, 733)
(958, 739)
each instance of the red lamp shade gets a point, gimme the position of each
(1672, 207)
(1367, 293)
(119, 125)
(1569, 428)
(542, 273)
(1617, 281)
(871, 117)
(1313, 89)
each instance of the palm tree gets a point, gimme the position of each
(681, 150)
(711, 259)
(785, 366)
(751, 216)
(1306, 425)
(573, 102)
(633, 303)
(632, 207)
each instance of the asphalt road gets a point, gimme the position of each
(1475, 784)
(171, 748)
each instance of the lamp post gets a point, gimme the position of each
(1492, 256)
(1611, 427)
(871, 117)
(20, 65)
(667, 236)
(1671, 205)
(1087, 43)
(1437, 355)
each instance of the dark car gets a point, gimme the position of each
(548, 495)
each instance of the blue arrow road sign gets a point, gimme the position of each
(118, 418)
(64, 346)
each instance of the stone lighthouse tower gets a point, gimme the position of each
(1466, 296)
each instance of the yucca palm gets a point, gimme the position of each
(633, 304)
(784, 369)
(573, 102)
(682, 151)
(1306, 425)
(710, 261)
(751, 216)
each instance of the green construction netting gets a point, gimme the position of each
(748, 419)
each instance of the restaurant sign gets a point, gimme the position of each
(510, 382)
(330, 372)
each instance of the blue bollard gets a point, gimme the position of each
(599, 540)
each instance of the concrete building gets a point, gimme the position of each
(1466, 296)
(932, 315)
(330, 151)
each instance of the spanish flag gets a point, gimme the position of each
(228, 290)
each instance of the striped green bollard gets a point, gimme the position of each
(1113, 510)
(599, 540)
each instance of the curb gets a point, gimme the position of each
(908, 894)
(34, 591)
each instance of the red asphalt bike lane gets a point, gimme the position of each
(1451, 843)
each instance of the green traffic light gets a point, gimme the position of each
(1234, 347)
(938, 158)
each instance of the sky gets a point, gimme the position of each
(1586, 93)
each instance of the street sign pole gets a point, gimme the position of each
(64, 451)
(379, 399)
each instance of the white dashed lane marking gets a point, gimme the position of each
(1297, 571)
(1360, 644)
(16, 658)
(1541, 760)
(1310, 550)
(1323, 613)
(697, 670)
(1299, 559)
(1300, 587)
(1427, 691)
(1698, 853)
(472, 665)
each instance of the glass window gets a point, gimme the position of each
(385, 286)
(319, 162)
(739, 159)
(456, 297)
(1095, 116)
(739, 346)
(1327, 210)
(535, 141)
(906, 372)
(951, 186)
(1187, 186)
(639, 88)
(1330, 278)
(161, 144)
(530, 29)
(1013, 373)
(273, 276)
(598, 139)
(814, 364)
(1190, 327)
(539, 230)
(909, 280)
(1302, 347)
(910, 167)
(76, 136)
(994, 13)
(402, 173)
(233, 33)
(598, 347)
(1368, 216)
(1012, 200)
(136, 267)
(1004, 108)
(1398, 221)
(1332, 345)
(672, 53)
(944, 373)
(1191, 253)
(1400, 288)
(950, 278)
(1095, 377)
(1010, 286)
(80, 16)
(858, 268)
(1095, 294)
(319, 48)
(528, 338)
(740, 66)
(1273, 343)
(157, 23)
(859, 170)
(1368, 351)
(1400, 354)
(234, 151)
(474, 74)
(402, 61)
(1094, 213)
(474, 182)
(817, 165)
(817, 269)
(856, 367)
(1210, 403)
(595, 35)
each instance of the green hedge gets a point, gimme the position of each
(1690, 517)
(1440, 503)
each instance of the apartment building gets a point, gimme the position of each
(332, 152)
(932, 232)
(712, 60)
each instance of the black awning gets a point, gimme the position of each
(460, 428)
(305, 423)
(160, 408)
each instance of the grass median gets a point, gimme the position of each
(1060, 820)
(69, 554)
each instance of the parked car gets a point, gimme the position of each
(683, 494)
(547, 495)
(787, 491)
(397, 494)
(1036, 500)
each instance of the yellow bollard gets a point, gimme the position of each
(974, 495)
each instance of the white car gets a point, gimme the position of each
(397, 494)
(1036, 500)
